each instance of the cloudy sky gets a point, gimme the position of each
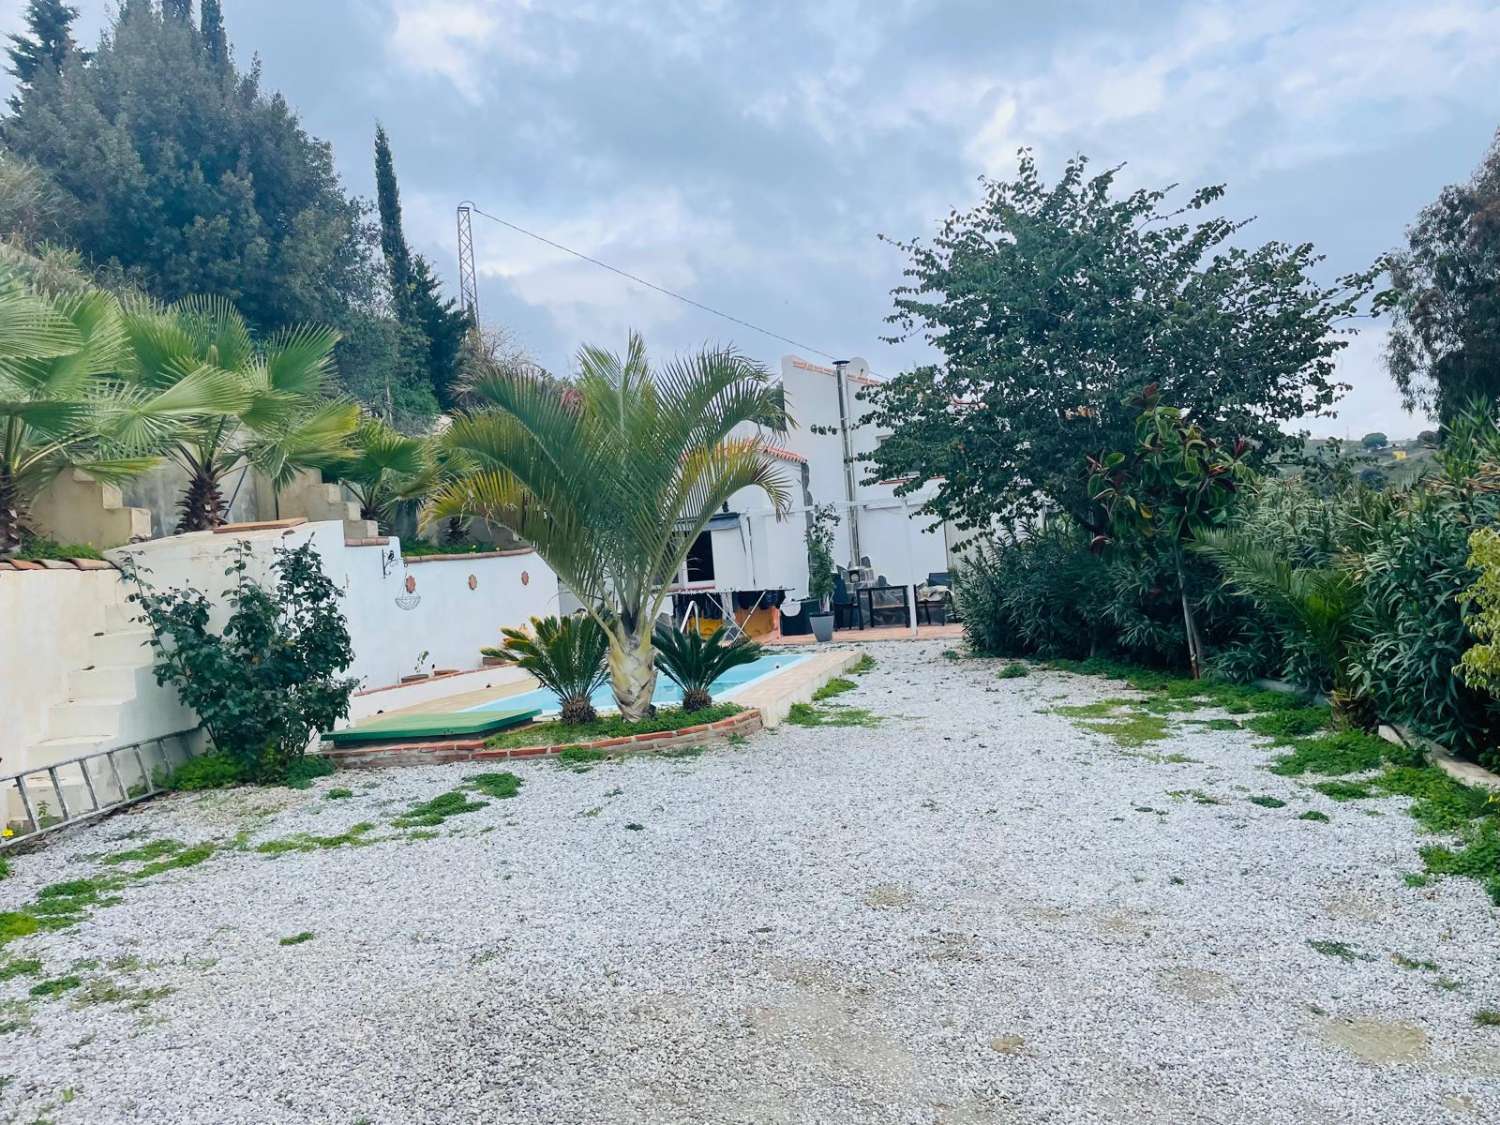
(748, 152)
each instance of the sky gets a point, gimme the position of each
(748, 153)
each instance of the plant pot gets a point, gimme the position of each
(822, 626)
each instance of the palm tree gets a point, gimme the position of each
(612, 476)
(273, 415)
(566, 655)
(384, 469)
(64, 404)
(1314, 605)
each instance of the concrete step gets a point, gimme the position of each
(125, 648)
(86, 718)
(50, 751)
(104, 682)
(122, 617)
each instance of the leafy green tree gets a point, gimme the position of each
(269, 681)
(1375, 440)
(272, 411)
(183, 176)
(611, 477)
(211, 29)
(1444, 297)
(1054, 305)
(41, 52)
(1174, 484)
(434, 326)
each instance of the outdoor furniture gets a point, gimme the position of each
(884, 606)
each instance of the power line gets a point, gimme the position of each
(652, 285)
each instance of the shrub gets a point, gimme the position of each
(269, 681)
(210, 771)
(693, 662)
(566, 654)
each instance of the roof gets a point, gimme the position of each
(785, 454)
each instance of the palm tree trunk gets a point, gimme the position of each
(202, 503)
(12, 512)
(632, 674)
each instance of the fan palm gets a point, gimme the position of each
(566, 655)
(64, 405)
(1314, 605)
(273, 413)
(613, 475)
(384, 469)
(693, 662)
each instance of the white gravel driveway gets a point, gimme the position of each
(972, 912)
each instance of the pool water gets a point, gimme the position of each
(667, 693)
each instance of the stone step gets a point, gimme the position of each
(104, 682)
(50, 751)
(125, 648)
(86, 718)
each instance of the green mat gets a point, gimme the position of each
(431, 725)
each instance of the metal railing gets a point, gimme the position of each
(87, 787)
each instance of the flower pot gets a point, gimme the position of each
(822, 626)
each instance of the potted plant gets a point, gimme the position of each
(820, 570)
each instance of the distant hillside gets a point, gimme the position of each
(1399, 463)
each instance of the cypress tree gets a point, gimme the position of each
(392, 238)
(211, 28)
(45, 49)
(179, 10)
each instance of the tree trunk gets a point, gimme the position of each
(696, 699)
(202, 503)
(632, 675)
(1190, 623)
(12, 512)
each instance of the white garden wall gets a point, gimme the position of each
(75, 676)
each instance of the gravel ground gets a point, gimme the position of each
(972, 912)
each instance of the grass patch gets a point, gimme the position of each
(1015, 670)
(1197, 795)
(306, 770)
(15, 1015)
(1342, 752)
(207, 771)
(37, 549)
(430, 814)
(683, 752)
(17, 924)
(836, 686)
(1223, 724)
(1440, 804)
(55, 987)
(1314, 814)
(806, 715)
(298, 939)
(1295, 722)
(1344, 790)
(1487, 1017)
(27, 967)
(1342, 950)
(338, 793)
(580, 759)
(304, 842)
(1267, 802)
(1131, 731)
(4, 868)
(866, 663)
(156, 849)
(609, 726)
(102, 990)
(187, 857)
(501, 786)
(1413, 963)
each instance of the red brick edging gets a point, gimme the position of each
(474, 750)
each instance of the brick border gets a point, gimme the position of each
(474, 749)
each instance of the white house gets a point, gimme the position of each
(749, 560)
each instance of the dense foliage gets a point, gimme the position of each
(820, 565)
(1054, 305)
(694, 661)
(268, 681)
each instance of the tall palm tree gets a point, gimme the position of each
(65, 405)
(274, 413)
(613, 475)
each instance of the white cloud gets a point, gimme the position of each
(458, 39)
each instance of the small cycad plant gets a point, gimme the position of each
(693, 662)
(566, 654)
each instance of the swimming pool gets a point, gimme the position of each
(667, 693)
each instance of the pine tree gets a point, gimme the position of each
(179, 10)
(45, 49)
(211, 29)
